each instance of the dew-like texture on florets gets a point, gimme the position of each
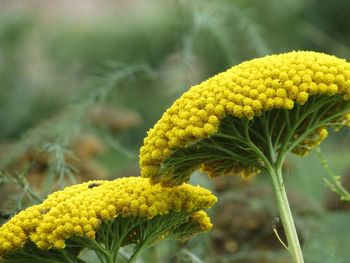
(244, 91)
(79, 210)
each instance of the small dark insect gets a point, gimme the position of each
(93, 185)
(44, 211)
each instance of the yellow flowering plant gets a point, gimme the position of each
(248, 119)
(104, 216)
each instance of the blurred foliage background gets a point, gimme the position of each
(81, 83)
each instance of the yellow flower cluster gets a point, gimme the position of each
(203, 220)
(211, 168)
(244, 91)
(315, 139)
(79, 210)
(14, 233)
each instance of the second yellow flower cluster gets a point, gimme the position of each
(80, 209)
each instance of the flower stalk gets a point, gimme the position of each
(277, 184)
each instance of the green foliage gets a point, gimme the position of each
(333, 180)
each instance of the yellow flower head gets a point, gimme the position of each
(204, 221)
(246, 91)
(79, 210)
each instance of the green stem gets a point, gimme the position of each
(102, 252)
(66, 256)
(109, 258)
(276, 179)
(118, 241)
(136, 254)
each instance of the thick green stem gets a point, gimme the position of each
(109, 259)
(276, 179)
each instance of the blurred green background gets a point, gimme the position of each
(81, 83)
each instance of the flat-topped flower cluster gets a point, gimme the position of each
(79, 210)
(245, 91)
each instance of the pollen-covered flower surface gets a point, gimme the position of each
(79, 210)
(245, 91)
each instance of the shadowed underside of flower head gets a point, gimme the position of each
(256, 112)
(126, 210)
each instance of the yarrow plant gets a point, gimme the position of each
(104, 216)
(248, 119)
